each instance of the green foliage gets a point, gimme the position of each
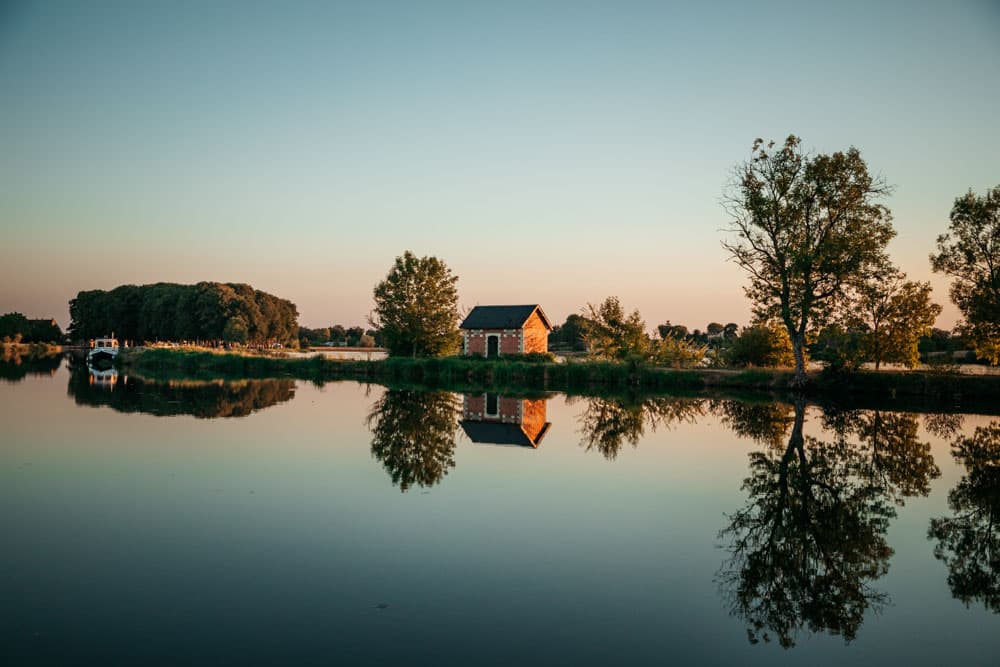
(416, 307)
(804, 226)
(211, 312)
(761, 345)
(970, 254)
(17, 326)
(569, 335)
(611, 334)
(678, 353)
(888, 316)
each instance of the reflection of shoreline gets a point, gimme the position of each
(15, 366)
(500, 420)
(200, 399)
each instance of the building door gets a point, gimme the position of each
(492, 346)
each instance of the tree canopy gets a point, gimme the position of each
(207, 311)
(416, 307)
(804, 226)
(970, 253)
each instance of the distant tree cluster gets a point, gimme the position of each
(338, 335)
(206, 312)
(15, 327)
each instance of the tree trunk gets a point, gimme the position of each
(798, 349)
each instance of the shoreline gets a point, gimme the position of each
(923, 390)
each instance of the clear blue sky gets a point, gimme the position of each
(548, 152)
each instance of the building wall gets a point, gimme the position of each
(510, 340)
(536, 335)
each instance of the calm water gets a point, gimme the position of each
(279, 522)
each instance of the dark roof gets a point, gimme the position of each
(502, 317)
(495, 433)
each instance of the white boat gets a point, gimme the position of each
(103, 348)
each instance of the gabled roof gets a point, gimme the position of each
(495, 433)
(502, 317)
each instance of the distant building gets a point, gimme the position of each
(498, 420)
(495, 330)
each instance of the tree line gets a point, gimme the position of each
(208, 312)
(16, 328)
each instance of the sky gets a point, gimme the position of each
(552, 153)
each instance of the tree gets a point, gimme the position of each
(970, 253)
(761, 345)
(611, 334)
(804, 225)
(715, 329)
(570, 333)
(668, 330)
(416, 307)
(891, 315)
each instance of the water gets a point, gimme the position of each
(277, 522)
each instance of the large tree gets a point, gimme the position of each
(804, 226)
(416, 307)
(970, 253)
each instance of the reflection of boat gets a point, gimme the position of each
(497, 420)
(103, 348)
(104, 378)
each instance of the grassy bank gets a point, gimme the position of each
(519, 376)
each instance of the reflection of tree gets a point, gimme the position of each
(202, 399)
(897, 459)
(15, 367)
(809, 543)
(413, 435)
(606, 424)
(943, 424)
(969, 541)
(764, 423)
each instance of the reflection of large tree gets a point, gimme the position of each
(606, 424)
(969, 541)
(810, 542)
(413, 435)
(897, 459)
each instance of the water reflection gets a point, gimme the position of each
(810, 543)
(501, 420)
(608, 423)
(413, 435)
(969, 542)
(199, 398)
(14, 366)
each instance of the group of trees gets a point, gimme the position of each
(207, 312)
(15, 327)
(811, 233)
(339, 335)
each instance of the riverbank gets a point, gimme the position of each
(940, 390)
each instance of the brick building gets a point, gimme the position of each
(495, 330)
(499, 420)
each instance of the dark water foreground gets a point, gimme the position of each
(277, 522)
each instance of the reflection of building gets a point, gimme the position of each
(494, 419)
(494, 330)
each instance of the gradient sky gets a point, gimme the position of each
(548, 152)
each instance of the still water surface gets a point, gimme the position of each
(280, 522)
